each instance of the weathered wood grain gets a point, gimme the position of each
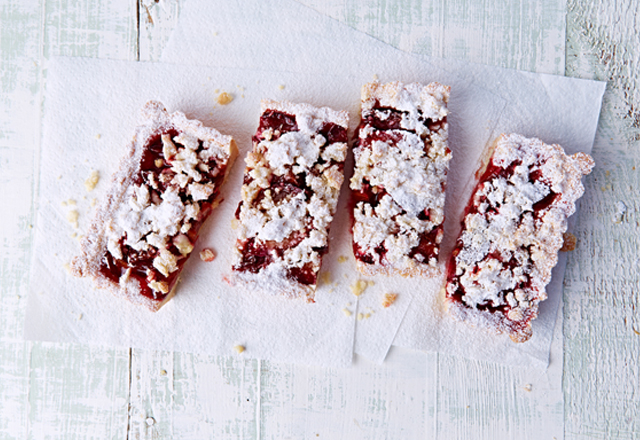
(366, 402)
(517, 34)
(157, 20)
(63, 391)
(20, 48)
(602, 327)
(178, 395)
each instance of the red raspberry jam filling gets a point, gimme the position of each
(152, 165)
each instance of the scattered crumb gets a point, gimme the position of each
(64, 203)
(158, 163)
(80, 316)
(528, 387)
(216, 91)
(71, 202)
(234, 223)
(67, 267)
(163, 372)
(224, 98)
(207, 255)
(98, 136)
(92, 180)
(325, 277)
(150, 421)
(74, 235)
(375, 77)
(360, 316)
(239, 348)
(93, 202)
(359, 287)
(569, 243)
(342, 259)
(388, 299)
(281, 87)
(72, 217)
(347, 312)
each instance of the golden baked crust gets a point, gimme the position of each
(289, 196)
(511, 234)
(401, 164)
(145, 227)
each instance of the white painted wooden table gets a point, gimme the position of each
(64, 391)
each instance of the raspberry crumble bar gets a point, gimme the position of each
(401, 164)
(511, 233)
(289, 196)
(147, 225)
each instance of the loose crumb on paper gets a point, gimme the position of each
(72, 218)
(388, 299)
(163, 372)
(325, 277)
(342, 259)
(239, 348)
(281, 87)
(528, 387)
(92, 180)
(207, 255)
(224, 98)
(347, 312)
(360, 286)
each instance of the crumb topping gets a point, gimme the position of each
(514, 227)
(402, 159)
(154, 229)
(290, 192)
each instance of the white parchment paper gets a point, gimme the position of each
(293, 37)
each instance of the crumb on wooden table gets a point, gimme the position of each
(569, 243)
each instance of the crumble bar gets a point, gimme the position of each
(511, 234)
(289, 196)
(401, 164)
(147, 225)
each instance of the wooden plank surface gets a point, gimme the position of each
(602, 326)
(62, 391)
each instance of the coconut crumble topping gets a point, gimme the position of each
(513, 230)
(289, 196)
(401, 163)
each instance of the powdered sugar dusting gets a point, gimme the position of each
(513, 230)
(402, 159)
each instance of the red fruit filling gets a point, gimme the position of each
(152, 165)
